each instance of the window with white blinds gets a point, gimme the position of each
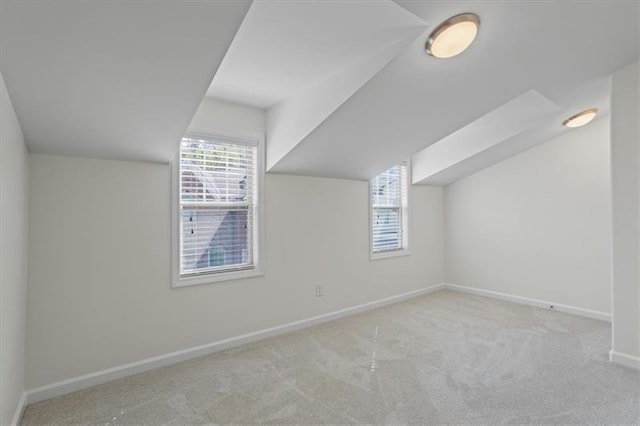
(218, 207)
(389, 201)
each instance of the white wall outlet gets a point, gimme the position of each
(319, 290)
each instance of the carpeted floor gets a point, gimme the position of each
(445, 357)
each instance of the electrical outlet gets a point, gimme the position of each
(319, 290)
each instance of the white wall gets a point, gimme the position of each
(99, 288)
(537, 225)
(217, 114)
(625, 168)
(13, 257)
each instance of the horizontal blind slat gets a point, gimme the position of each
(388, 198)
(218, 197)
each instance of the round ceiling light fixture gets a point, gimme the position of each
(581, 118)
(453, 36)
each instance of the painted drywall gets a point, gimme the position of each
(13, 257)
(99, 288)
(216, 114)
(625, 179)
(112, 79)
(537, 225)
(290, 121)
(497, 127)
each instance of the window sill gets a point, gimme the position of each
(389, 254)
(216, 278)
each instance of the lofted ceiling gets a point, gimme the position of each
(508, 130)
(283, 48)
(111, 79)
(554, 48)
(346, 86)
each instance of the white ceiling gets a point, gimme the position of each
(348, 88)
(554, 48)
(111, 79)
(522, 113)
(291, 120)
(283, 48)
(524, 134)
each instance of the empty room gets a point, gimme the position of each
(319, 212)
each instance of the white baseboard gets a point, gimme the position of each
(22, 403)
(81, 382)
(624, 359)
(603, 316)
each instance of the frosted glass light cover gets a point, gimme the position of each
(453, 36)
(581, 118)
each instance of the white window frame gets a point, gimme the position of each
(247, 138)
(404, 214)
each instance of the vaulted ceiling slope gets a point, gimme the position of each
(553, 48)
(347, 86)
(508, 130)
(284, 47)
(302, 60)
(107, 79)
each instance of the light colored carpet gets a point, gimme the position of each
(446, 357)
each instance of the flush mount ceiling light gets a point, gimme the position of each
(453, 36)
(581, 118)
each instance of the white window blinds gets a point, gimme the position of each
(218, 206)
(389, 210)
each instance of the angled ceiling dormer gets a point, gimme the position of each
(514, 127)
(514, 117)
(302, 60)
(290, 121)
(112, 79)
(347, 87)
(553, 48)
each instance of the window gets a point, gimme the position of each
(389, 202)
(218, 210)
